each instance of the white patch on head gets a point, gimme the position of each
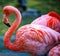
(4, 15)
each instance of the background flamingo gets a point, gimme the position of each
(52, 20)
(55, 51)
(31, 38)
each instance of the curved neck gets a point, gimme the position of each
(10, 31)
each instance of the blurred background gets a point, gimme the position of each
(30, 10)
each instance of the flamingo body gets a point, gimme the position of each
(35, 39)
(31, 38)
(52, 20)
(55, 51)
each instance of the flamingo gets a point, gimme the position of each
(31, 38)
(55, 51)
(52, 20)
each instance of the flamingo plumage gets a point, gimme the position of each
(55, 51)
(52, 20)
(30, 38)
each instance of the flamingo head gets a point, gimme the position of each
(6, 13)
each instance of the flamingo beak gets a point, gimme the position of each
(5, 20)
(7, 24)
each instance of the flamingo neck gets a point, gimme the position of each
(10, 31)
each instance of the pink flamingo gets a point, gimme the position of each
(52, 20)
(31, 38)
(55, 51)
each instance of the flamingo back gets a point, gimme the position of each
(36, 39)
(51, 20)
(55, 51)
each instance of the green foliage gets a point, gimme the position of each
(45, 6)
(7, 2)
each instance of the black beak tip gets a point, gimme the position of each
(7, 24)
